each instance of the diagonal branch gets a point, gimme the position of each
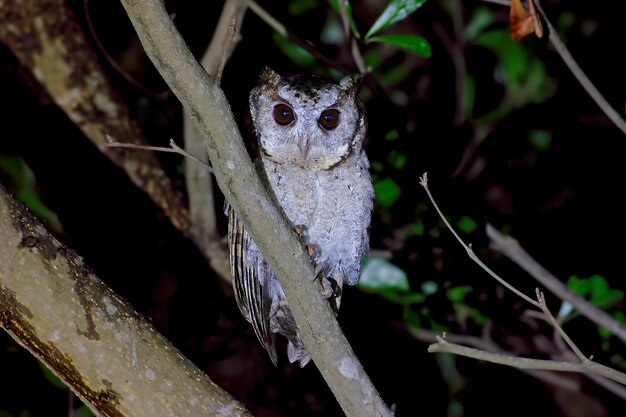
(576, 70)
(242, 187)
(110, 356)
(202, 210)
(511, 248)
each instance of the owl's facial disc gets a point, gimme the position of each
(307, 121)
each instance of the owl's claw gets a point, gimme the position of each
(327, 287)
(301, 230)
(330, 288)
(312, 250)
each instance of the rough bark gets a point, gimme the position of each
(109, 355)
(46, 38)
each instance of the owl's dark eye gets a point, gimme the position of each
(283, 114)
(329, 119)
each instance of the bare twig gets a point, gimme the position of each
(527, 363)
(174, 148)
(488, 345)
(468, 249)
(511, 248)
(160, 95)
(283, 31)
(200, 189)
(354, 45)
(559, 329)
(585, 365)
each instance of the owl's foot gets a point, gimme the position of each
(301, 230)
(330, 288)
(327, 287)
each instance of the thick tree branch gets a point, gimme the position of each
(199, 181)
(241, 185)
(46, 38)
(110, 356)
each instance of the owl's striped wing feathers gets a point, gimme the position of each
(247, 273)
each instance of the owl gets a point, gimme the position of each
(310, 133)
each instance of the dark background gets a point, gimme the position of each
(563, 202)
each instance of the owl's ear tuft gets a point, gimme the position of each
(268, 77)
(351, 83)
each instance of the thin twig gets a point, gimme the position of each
(268, 19)
(528, 363)
(559, 329)
(488, 345)
(573, 66)
(283, 31)
(511, 248)
(160, 95)
(354, 45)
(585, 365)
(200, 189)
(468, 249)
(174, 148)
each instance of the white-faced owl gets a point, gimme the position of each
(310, 132)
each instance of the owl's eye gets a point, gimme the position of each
(283, 114)
(329, 119)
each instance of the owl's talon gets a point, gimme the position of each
(318, 273)
(312, 250)
(301, 230)
(327, 288)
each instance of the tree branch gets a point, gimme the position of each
(110, 356)
(511, 248)
(576, 70)
(199, 181)
(46, 38)
(241, 185)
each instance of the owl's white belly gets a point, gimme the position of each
(335, 207)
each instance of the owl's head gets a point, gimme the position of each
(307, 120)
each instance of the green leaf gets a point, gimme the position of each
(412, 319)
(297, 54)
(397, 159)
(429, 287)
(392, 135)
(540, 139)
(84, 411)
(457, 294)
(403, 299)
(417, 228)
(24, 187)
(51, 377)
(353, 27)
(469, 97)
(409, 43)
(387, 193)
(466, 224)
(380, 275)
(482, 17)
(299, 7)
(596, 290)
(396, 10)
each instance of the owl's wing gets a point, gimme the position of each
(248, 272)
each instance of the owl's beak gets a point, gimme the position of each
(304, 144)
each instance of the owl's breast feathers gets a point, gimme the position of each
(335, 207)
